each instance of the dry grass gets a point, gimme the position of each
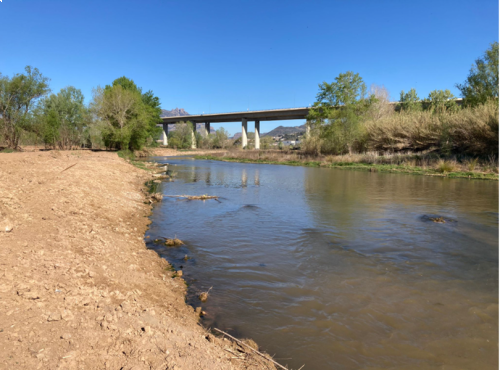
(472, 131)
(424, 160)
(446, 166)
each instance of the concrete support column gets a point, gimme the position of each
(308, 130)
(257, 134)
(193, 137)
(164, 134)
(207, 129)
(244, 130)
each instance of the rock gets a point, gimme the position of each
(66, 336)
(6, 226)
(178, 273)
(198, 311)
(30, 295)
(67, 315)
(54, 316)
(173, 242)
(203, 296)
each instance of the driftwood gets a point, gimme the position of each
(254, 350)
(67, 168)
(194, 197)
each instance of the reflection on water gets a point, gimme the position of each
(340, 269)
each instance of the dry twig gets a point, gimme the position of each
(246, 345)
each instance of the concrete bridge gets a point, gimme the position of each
(244, 117)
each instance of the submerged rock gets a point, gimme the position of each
(173, 242)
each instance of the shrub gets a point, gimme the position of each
(445, 166)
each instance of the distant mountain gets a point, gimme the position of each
(174, 112)
(282, 130)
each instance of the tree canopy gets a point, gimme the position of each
(18, 96)
(338, 111)
(62, 118)
(130, 116)
(482, 82)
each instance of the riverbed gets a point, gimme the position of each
(339, 269)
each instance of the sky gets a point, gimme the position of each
(225, 56)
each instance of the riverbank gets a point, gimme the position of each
(78, 287)
(408, 164)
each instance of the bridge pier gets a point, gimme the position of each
(193, 136)
(164, 134)
(308, 129)
(257, 134)
(244, 133)
(207, 129)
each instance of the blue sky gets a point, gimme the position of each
(223, 56)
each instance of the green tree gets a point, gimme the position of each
(150, 112)
(220, 138)
(343, 103)
(63, 117)
(18, 96)
(129, 116)
(482, 82)
(266, 142)
(440, 101)
(410, 102)
(182, 136)
(121, 112)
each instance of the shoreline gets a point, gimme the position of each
(78, 286)
(385, 168)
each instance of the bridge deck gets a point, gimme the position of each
(261, 115)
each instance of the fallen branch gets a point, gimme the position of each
(254, 350)
(67, 168)
(194, 197)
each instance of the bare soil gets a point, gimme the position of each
(78, 287)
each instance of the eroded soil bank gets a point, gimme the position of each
(78, 288)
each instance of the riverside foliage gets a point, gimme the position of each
(346, 119)
(120, 115)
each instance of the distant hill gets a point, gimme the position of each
(174, 112)
(181, 112)
(282, 130)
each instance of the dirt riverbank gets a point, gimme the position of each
(78, 288)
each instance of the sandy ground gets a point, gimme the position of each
(78, 288)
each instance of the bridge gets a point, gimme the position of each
(243, 117)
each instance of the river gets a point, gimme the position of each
(339, 269)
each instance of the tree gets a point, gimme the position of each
(121, 112)
(410, 102)
(129, 116)
(440, 101)
(18, 95)
(63, 117)
(381, 106)
(266, 142)
(482, 82)
(342, 103)
(151, 104)
(182, 136)
(220, 138)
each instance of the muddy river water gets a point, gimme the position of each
(339, 269)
